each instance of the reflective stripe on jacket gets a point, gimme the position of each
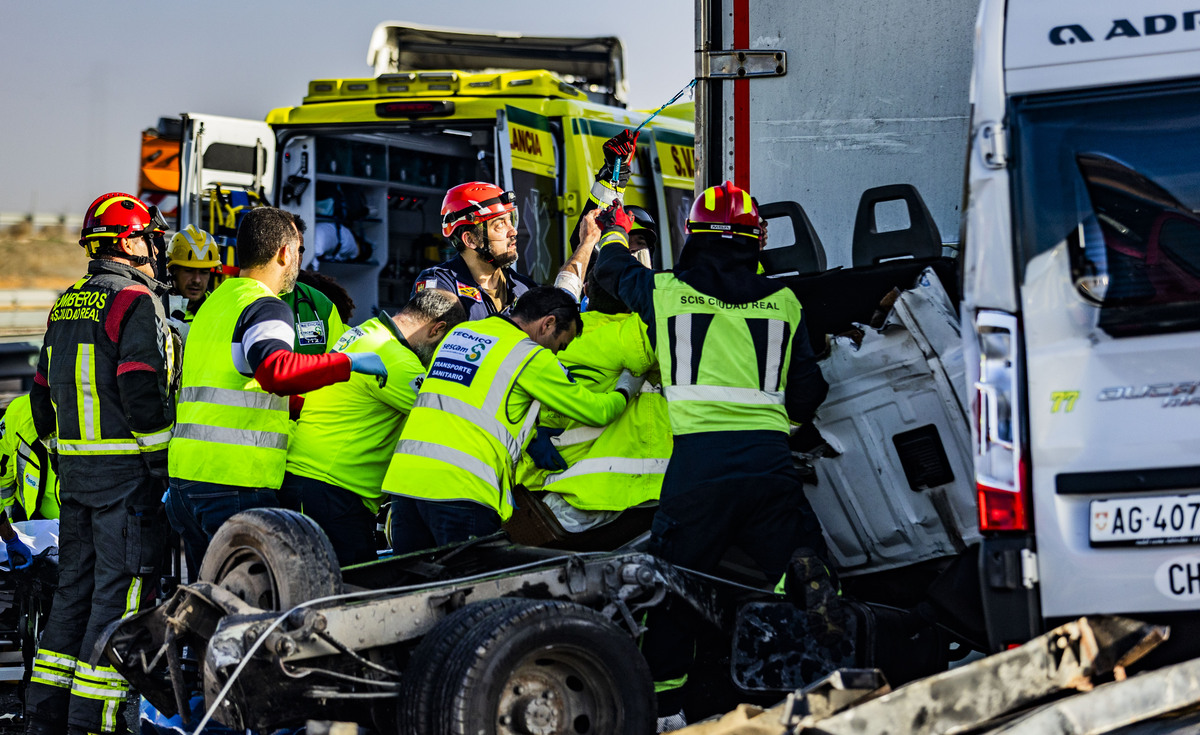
(724, 366)
(476, 411)
(229, 430)
(620, 465)
(103, 381)
(26, 477)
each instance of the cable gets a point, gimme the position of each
(617, 167)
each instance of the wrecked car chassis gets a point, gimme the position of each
(327, 658)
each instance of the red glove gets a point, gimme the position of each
(620, 147)
(615, 216)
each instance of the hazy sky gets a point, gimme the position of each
(80, 80)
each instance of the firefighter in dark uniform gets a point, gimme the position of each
(737, 369)
(481, 220)
(104, 386)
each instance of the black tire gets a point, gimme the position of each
(272, 558)
(418, 689)
(547, 667)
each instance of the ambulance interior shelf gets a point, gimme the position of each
(398, 186)
(382, 190)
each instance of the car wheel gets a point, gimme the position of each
(272, 558)
(545, 667)
(418, 688)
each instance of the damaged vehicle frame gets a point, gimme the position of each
(327, 657)
(513, 638)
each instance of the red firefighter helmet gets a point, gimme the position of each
(116, 215)
(475, 202)
(725, 210)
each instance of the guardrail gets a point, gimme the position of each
(40, 220)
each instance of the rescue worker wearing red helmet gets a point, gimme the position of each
(480, 219)
(107, 395)
(737, 370)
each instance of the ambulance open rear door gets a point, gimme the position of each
(529, 165)
(226, 164)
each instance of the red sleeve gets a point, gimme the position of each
(287, 373)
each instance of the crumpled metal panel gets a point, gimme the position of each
(907, 375)
(1117, 704)
(978, 696)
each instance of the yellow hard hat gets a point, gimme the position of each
(193, 248)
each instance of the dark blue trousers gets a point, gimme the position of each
(197, 509)
(339, 512)
(426, 524)
(723, 489)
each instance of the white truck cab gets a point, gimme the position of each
(1081, 310)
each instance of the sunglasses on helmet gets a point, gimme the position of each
(155, 228)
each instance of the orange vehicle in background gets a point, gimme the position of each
(158, 178)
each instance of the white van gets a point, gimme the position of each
(1081, 310)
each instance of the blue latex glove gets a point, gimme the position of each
(543, 452)
(20, 556)
(368, 363)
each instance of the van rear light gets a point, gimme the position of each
(1001, 471)
(1001, 510)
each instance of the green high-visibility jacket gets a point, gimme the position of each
(28, 485)
(620, 465)
(724, 366)
(318, 324)
(228, 429)
(348, 431)
(476, 411)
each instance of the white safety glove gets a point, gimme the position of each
(629, 384)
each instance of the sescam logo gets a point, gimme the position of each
(459, 357)
(1150, 25)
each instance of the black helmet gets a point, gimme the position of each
(645, 223)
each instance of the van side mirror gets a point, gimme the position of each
(798, 252)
